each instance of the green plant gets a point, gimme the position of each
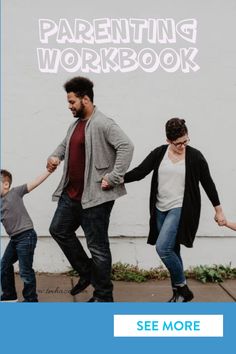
(203, 273)
(127, 272)
(72, 273)
(213, 274)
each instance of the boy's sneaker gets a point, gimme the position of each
(8, 298)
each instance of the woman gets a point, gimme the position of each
(175, 200)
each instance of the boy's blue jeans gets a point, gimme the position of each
(21, 247)
(166, 246)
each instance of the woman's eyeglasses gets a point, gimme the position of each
(183, 143)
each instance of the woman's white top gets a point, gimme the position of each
(171, 183)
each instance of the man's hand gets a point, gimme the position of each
(105, 184)
(52, 163)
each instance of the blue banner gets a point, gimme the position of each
(74, 328)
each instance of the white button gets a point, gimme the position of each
(168, 325)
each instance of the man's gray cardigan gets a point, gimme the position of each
(108, 151)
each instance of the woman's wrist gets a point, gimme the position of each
(218, 209)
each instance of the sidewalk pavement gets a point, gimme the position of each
(56, 288)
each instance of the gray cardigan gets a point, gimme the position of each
(108, 152)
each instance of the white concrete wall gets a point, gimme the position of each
(35, 115)
(135, 251)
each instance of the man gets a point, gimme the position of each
(96, 155)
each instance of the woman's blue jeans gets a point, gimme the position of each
(166, 246)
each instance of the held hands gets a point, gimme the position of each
(52, 163)
(220, 217)
(105, 184)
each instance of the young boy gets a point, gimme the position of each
(23, 238)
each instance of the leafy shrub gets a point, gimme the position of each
(203, 273)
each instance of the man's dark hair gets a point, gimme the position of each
(175, 128)
(81, 86)
(7, 177)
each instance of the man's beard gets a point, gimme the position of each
(80, 113)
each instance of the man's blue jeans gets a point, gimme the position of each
(21, 247)
(166, 246)
(94, 221)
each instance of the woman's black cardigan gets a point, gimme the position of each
(197, 170)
